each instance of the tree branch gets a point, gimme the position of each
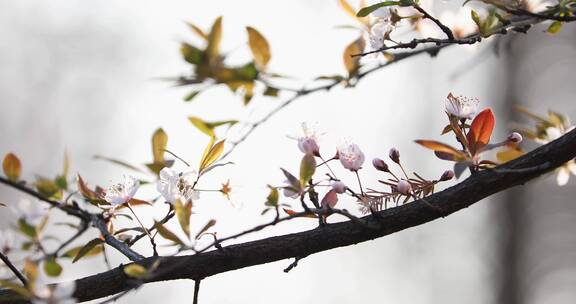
(233, 257)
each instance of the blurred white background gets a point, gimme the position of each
(83, 76)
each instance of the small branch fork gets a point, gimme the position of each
(443, 27)
(521, 19)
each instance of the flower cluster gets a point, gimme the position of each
(549, 128)
(474, 138)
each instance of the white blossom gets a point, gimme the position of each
(378, 34)
(123, 192)
(351, 157)
(31, 211)
(460, 23)
(461, 106)
(175, 185)
(59, 294)
(553, 133)
(308, 142)
(338, 186)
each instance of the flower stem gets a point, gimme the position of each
(145, 230)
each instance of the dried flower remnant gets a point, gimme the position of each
(174, 185)
(6, 241)
(123, 192)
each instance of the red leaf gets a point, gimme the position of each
(481, 130)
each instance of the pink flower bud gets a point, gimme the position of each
(380, 165)
(338, 186)
(447, 175)
(330, 199)
(515, 137)
(394, 155)
(404, 187)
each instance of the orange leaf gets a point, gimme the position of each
(294, 213)
(12, 167)
(481, 130)
(442, 147)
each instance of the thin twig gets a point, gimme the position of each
(196, 290)
(13, 268)
(444, 28)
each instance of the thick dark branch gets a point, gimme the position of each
(330, 236)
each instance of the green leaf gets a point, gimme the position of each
(259, 47)
(74, 252)
(555, 27)
(191, 95)
(19, 289)
(27, 229)
(47, 187)
(159, 142)
(183, 213)
(191, 53)
(118, 162)
(307, 169)
(52, 268)
(369, 9)
(135, 271)
(87, 248)
(167, 234)
(271, 91)
(273, 196)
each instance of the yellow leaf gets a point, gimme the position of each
(66, 166)
(212, 155)
(198, 31)
(135, 271)
(259, 47)
(352, 12)
(205, 228)
(202, 126)
(12, 167)
(183, 212)
(167, 234)
(353, 63)
(159, 142)
(214, 39)
(508, 155)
